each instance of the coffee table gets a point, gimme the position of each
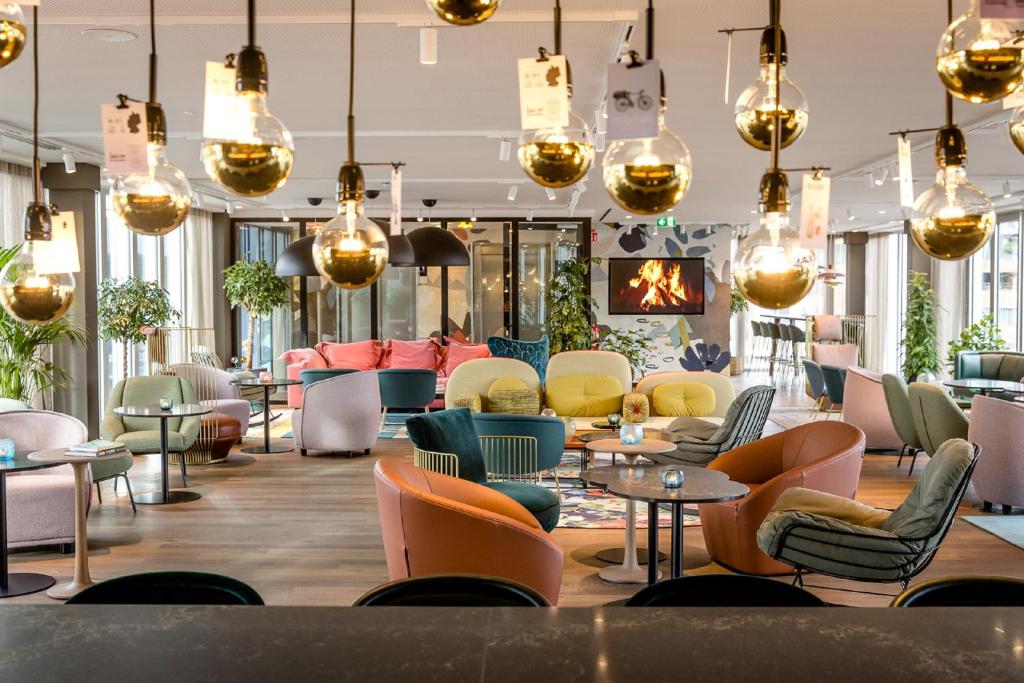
(267, 386)
(985, 386)
(581, 441)
(165, 496)
(21, 583)
(629, 571)
(699, 486)
(58, 456)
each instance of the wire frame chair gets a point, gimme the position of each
(436, 461)
(511, 458)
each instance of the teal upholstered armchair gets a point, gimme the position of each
(142, 435)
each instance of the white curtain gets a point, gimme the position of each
(885, 280)
(949, 280)
(198, 236)
(15, 195)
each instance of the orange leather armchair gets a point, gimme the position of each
(824, 456)
(436, 524)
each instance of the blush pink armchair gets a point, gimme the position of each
(339, 414)
(839, 355)
(864, 406)
(998, 427)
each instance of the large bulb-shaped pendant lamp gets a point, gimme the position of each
(648, 175)
(12, 32)
(979, 60)
(258, 158)
(952, 218)
(158, 201)
(29, 291)
(559, 156)
(351, 250)
(771, 269)
(756, 106)
(464, 12)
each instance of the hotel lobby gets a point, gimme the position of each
(686, 326)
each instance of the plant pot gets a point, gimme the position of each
(735, 365)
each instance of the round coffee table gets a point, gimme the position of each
(21, 583)
(582, 441)
(267, 386)
(699, 486)
(985, 386)
(629, 571)
(58, 456)
(165, 496)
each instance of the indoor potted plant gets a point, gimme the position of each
(570, 309)
(129, 311)
(983, 335)
(254, 287)
(919, 345)
(737, 304)
(633, 344)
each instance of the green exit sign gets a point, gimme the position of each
(666, 222)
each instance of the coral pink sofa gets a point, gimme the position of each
(425, 354)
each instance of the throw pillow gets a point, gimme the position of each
(471, 401)
(364, 355)
(585, 395)
(684, 398)
(411, 355)
(507, 384)
(635, 408)
(693, 427)
(533, 353)
(457, 354)
(513, 402)
(306, 358)
(450, 431)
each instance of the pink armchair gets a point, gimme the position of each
(839, 355)
(998, 427)
(864, 406)
(339, 414)
(41, 503)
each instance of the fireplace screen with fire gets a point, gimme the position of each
(659, 286)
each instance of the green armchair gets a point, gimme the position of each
(897, 400)
(142, 435)
(937, 417)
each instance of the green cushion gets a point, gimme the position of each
(541, 502)
(922, 512)
(450, 431)
(147, 391)
(1012, 368)
(513, 402)
(585, 395)
(684, 398)
(104, 469)
(148, 441)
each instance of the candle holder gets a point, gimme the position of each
(166, 404)
(614, 419)
(631, 434)
(672, 479)
(7, 449)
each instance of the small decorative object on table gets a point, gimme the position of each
(6, 449)
(266, 376)
(672, 479)
(166, 404)
(636, 408)
(570, 424)
(631, 434)
(614, 419)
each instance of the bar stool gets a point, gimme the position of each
(783, 352)
(799, 340)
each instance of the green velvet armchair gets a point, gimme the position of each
(142, 435)
(937, 417)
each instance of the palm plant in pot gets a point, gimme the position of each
(919, 345)
(254, 287)
(128, 311)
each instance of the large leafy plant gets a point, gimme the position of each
(920, 337)
(128, 310)
(983, 335)
(633, 344)
(254, 287)
(570, 310)
(25, 369)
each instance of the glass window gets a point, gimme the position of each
(397, 296)
(1008, 261)
(542, 247)
(981, 283)
(274, 333)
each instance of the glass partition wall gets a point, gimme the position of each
(994, 280)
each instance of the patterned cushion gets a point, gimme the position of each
(507, 384)
(635, 408)
(513, 401)
(585, 395)
(471, 401)
(684, 398)
(533, 353)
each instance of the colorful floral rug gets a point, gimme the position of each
(394, 426)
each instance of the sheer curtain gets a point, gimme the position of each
(15, 195)
(949, 280)
(884, 297)
(198, 247)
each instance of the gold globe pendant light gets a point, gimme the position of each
(558, 156)
(979, 60)
(757, 106)
(351, 250)
(771, 269)
(158, 201)
(29, 291)
(1016, 125)
(12, 32)
(258, 159)
(464, 12)
(648, 175)
(952, 218)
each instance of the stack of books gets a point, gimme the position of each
(97, 447)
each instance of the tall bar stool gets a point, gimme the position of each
(755, 328)
(782, 355)
(762, 341)
(798, 340)
(775, 337)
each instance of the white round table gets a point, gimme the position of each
(630, 570)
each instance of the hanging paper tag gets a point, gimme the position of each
(219, 102)
(903, 153)
(814, 212)
(396, 201)
(543, 92)
(60, 253)
(1014, 99)
(634, 99)
(1001, 9)
(124, 138)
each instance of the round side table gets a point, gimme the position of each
(21, 583)
(267, 386)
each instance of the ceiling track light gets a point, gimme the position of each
(428, 45)
(505, 150)
(550, 193)
(1007, 194)
(879, 180)
(69, 162)
(284, 216)
(419, 215)
(513, 190)
(529, 215)
(472, 216)
(849, 213)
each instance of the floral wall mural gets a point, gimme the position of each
(681, 341)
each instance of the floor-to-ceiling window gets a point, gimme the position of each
(994, 277)
(274, 332)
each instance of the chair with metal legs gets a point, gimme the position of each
(113, 469)
(783, 352)
(797, 339)
(406, 388)
(816, 381)
(775, 339)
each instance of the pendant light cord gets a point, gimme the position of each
(152, 51)
(558, 27)
(351, 83)
(252, 23)
(949, 97)
(37, 181)
(776, 23)
(650, 30)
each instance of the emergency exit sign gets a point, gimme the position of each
(666, 222)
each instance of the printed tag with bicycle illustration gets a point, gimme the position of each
(634, 94)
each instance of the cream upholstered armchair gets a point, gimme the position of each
(474, 378)
(578, 380)
(725, 393)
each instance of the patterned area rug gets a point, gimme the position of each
(1009, 528)
(394, 426)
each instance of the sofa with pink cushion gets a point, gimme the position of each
(373, 354)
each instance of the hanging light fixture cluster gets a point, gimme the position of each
(12, 32)
(158, 201)
(258, 158)
(29, 291)
(648, 175)
(771, 269)
(559, 156)
(464, 12)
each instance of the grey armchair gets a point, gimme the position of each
(341, 413)
(819, 532)
(702, 441)
(937, 417)
(897, 400)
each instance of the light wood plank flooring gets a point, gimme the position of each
(304, 531)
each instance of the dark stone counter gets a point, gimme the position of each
(300, 644)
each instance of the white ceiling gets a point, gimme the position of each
(867, 68)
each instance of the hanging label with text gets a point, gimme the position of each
(903, 158)
(60, 253)
(124, 138)
(814, 212)
(396, 201)
(1001, 9)
(543, 92)
(634, 100)
(219, 102)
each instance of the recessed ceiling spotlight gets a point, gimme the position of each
(109, 35)
(881, 212)
(629, 216)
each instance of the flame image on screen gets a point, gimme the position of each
(657, 286)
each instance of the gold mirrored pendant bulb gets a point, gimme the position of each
(12, 32)
(980, 60)
(755, 108)
(557, 157)
(464, 12)
(648, 175)
(953, 218)
(29, 292)
(1016, 126)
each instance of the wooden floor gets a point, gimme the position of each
(304, 531)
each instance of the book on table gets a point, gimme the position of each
(97, 447)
